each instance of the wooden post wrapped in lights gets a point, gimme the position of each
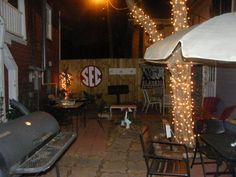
(145, 21)
(179, 14)
(182, 87)
(181, 81)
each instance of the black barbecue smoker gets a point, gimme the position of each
(32, 144)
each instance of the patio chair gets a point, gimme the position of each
(213, 126)
(226, 113)
(166, 102)
(209, 107)
(150, 100)
(164, 162)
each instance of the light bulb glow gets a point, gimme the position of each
(150, 27)
(181, 86)
(65, 83)
(179, 14)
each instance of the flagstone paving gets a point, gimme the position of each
(112, 152)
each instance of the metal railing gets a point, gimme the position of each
(12, 17)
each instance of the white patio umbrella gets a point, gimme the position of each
(214, 39)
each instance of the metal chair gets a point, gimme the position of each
(166, 102)
(153, 101)
(163, 163)
(209, 107)
(226, 112)
(144, 102)
(213, 126)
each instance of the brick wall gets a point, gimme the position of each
(30, 55)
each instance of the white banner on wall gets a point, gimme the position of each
(122, 71)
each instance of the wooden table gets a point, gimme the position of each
(72, 110)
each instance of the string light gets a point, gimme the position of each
(179, 14)
(65, 83)
(182, 87)
(145, 22)
(181, 80)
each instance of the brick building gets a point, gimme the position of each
(29, 51)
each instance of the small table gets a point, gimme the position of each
(74, 109)
(122, 107)
(221, 143)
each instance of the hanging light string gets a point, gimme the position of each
(150, 27)
(179, 14)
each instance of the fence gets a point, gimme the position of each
(113, 71)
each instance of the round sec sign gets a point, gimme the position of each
(91, 76)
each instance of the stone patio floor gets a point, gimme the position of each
(112, 152)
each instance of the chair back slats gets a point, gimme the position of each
(171, 166)
(167, 102)
(166, 168)
(146, 141)
(155, 164)
(161, 164)
(158, 166)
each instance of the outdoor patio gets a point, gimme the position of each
(166, 53)
(112, 152)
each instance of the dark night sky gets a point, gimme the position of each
(85, 28)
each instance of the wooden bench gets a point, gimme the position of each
(122, 107)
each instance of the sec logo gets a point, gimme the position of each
(91, 76)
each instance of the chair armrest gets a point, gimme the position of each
(172, 144)
(154, 156)
(169, 143)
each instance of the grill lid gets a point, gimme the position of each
(20, 137)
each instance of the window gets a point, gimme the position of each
(48, 21)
